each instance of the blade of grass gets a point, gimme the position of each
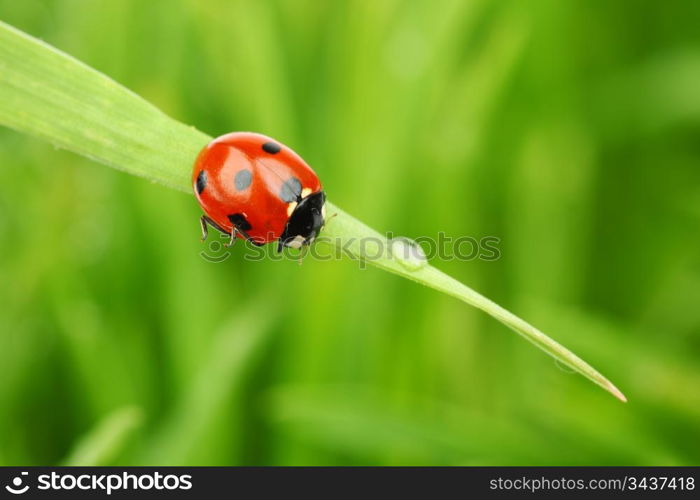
(49, 94)
(353, 421)
(234, 351)
(104, 442)
(346, 231)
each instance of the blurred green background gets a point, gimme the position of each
(570, 130)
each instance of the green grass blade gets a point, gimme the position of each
(344, 226)
(234, 351)
(104, 442)
(47, 93)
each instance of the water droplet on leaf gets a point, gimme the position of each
(408, 253)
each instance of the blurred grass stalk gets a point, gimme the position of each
(49, 94)
(234, 349)
(103, 443)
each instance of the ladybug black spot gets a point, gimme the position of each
(271, 147)
(240, 222)
(291, 190)
(201, 181)
(243, 179)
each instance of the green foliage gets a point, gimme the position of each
(102, 444)
(49, 94)
(463, 117)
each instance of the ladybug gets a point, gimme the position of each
(252, 187)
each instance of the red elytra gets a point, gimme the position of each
(250, 186)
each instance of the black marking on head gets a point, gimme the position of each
(201, 181)
(306, 220)
(291, 190)
(243, 179)
(271, 147)
(240, 222)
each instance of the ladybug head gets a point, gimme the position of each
(305, 222)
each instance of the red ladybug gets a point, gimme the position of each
(252, 187)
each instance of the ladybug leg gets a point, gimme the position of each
(302, 254)
(232, 240)
(247, 236)
(240, 226)
(206, 221)
(205, 229)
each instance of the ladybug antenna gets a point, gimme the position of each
(329, 218)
